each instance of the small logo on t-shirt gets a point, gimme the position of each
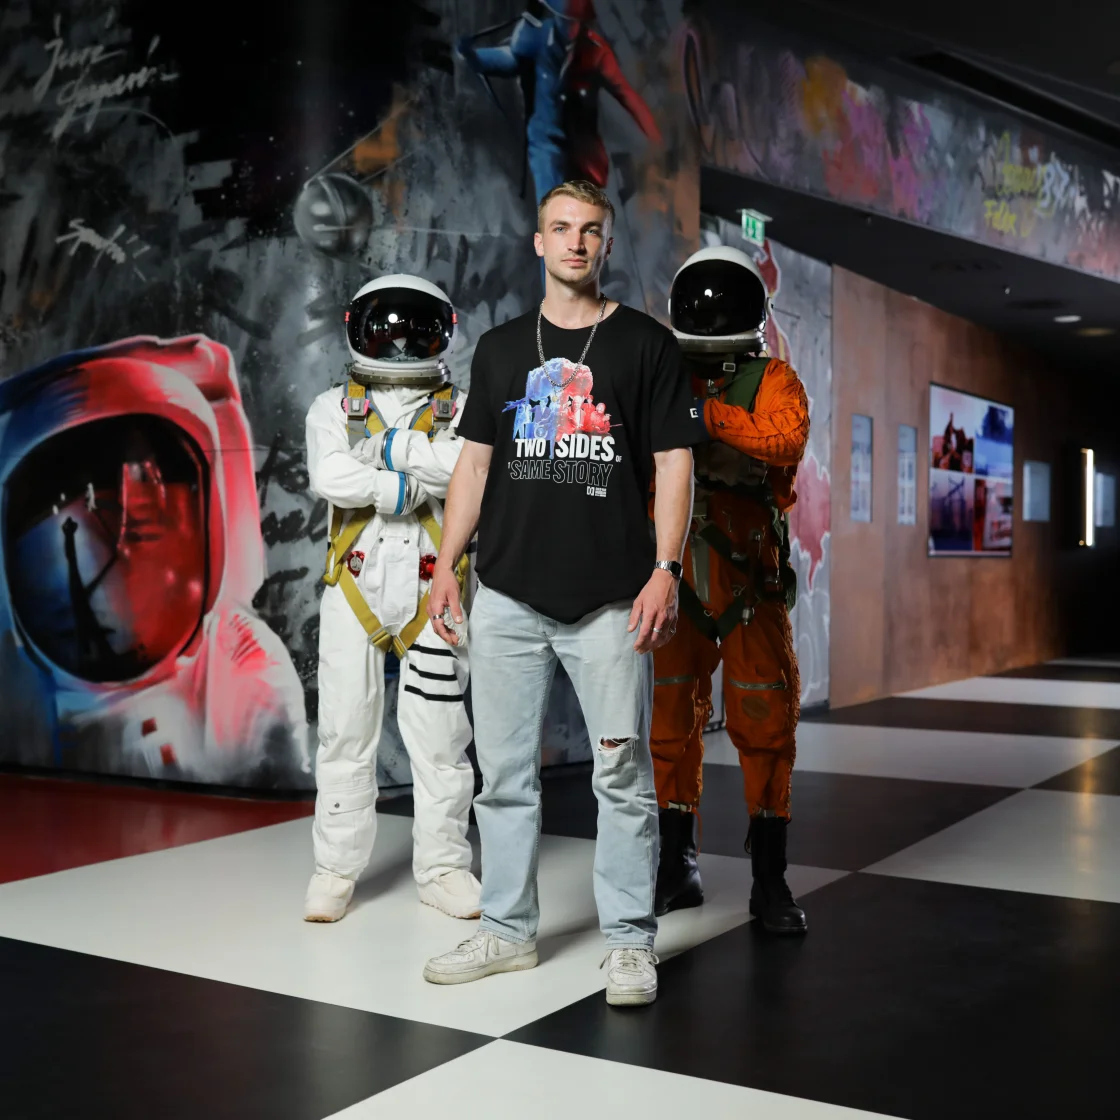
(560, 432)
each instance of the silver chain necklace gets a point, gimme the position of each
(540, 345)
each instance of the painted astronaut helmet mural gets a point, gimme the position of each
(107, 545)
(132, 549)
(398, 329)
(718, 302)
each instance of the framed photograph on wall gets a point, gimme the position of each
(860, 508)
(972, 474)
(907, 475)
(1036, 491)
(1104, 501)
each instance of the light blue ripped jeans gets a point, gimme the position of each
(514, 651)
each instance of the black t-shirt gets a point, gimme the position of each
(564, 526)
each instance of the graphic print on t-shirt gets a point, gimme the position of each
(560, 432)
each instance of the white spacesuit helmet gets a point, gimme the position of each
(718, 302)
(398, 328)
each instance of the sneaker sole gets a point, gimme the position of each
(512, 964)
(631, 999)
(450, 913)
(322, 918)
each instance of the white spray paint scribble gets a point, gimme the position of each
(111, 246)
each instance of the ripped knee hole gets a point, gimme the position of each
(614, 744)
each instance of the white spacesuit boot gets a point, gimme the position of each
(381, 450)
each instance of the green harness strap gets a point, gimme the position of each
(363, 420)
(741, 392)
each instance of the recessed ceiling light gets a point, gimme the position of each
(1095, 332)
(1067, 318)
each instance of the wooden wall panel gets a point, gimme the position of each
(858, 332)
(903, 620)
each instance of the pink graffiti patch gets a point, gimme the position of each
(811, 518)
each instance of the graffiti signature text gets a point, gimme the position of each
(111, 246)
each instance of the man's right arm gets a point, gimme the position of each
(460, 520)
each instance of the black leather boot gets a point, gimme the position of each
(678, 876)
(771, 901)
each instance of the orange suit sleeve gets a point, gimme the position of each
(777, 430)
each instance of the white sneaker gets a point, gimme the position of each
(455, 892)
(631, 977)
(479, 956)
(328, 895)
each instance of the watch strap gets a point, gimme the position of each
(671, 566)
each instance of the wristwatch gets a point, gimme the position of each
(671, 566)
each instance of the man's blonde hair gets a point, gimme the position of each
(582, 191)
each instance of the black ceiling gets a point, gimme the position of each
(961, 277)
(1057, 64)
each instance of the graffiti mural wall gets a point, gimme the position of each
(190, 197)
(783, 110)
(800, 332)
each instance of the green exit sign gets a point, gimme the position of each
(754, 226)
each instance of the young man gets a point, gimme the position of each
(568, 571)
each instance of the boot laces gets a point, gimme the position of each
(476, 940)
(631, 960)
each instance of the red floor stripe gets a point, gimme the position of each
(49, 824)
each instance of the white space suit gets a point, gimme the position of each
(381, 456)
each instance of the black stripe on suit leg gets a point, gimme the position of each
(434, 676)
(456, 698)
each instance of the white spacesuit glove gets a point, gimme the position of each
(397, 494)
(371, 450)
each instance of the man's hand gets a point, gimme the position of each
(656, 609)
(444, 592)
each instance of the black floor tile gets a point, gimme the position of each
(1098, 775)
(88, 1037)
(972, 715)
(843, 821)
(568, 807)
(1066, 673)
(914, 999)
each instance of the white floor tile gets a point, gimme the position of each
(1015, 761)
(1025, 690)
(510, 1079)
(1038, 841)
(230, 910)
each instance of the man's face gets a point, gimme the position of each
(574, 241)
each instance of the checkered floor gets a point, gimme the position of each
(957, 852)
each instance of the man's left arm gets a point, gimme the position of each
(655, 609)
(626, 95)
